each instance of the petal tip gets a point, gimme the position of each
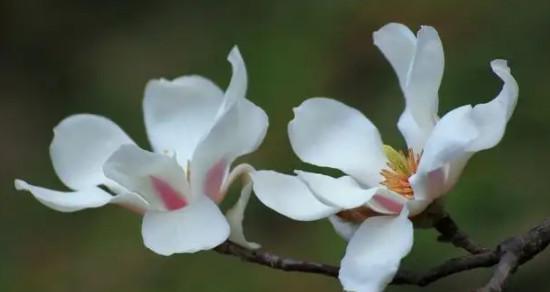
(167, 244)
(154, 82)
(428, 31)
(20, 185)
(234, 55)
(501, 64)
(427, 27)
(297, 109)
(389, 28)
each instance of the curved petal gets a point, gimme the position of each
(418, 63)
(155, 177)
(199, 226)
(328, 133)
(459, 134)
(342, 192)
(252, 126)
(454, 171)
(375, 251)
(80, 146)
(398, 44)
(415, 135)
(235, 217)
(131, 201)
(179, 113)
(238, 84)
(289, 196)
(448, 142)
(91, 197)
(239, 130)
(343, 228)
(425, 77)
(491, 118)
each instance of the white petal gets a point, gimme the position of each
(375, 251)
(454, 170)
(235, 217)
(179, 113)
(253, 123)
(91, 197)
(131, 201)
(459, 134)
(491, 118)
(328, 133)
(289, 196)
(415, 135)
(81, 144)
(155, 177)
(199, 226)
(398, 44)
(418, 63)
(449, 139)
(448, 142)
(239, 130)
(239, 79)
(342, 192)
(425, 78)
(343, 228)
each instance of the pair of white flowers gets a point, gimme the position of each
(197, 131)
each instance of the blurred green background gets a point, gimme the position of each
(60, 57)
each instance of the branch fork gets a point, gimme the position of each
(507, 257)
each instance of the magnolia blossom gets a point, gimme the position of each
(196, 131)
(383, 188)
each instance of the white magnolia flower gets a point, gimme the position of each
(196, 131)
(383, 188)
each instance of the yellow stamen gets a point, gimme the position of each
(396, 178)
(401, 167)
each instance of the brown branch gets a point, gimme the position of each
(451, 233)
(505, 267)
(516, 251)
(447, 268)
(508, 256)
(274, 261)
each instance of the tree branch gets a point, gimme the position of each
(505, 267)
(508, 256)
(447, 268)
(451, 233)
(274, 261)
(516, 251)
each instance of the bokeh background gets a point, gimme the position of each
(60, 57)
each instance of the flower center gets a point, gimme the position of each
(401, 166)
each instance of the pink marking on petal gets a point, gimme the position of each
(214, 180)
(388, 204)
(437, 183)
(171, 198)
